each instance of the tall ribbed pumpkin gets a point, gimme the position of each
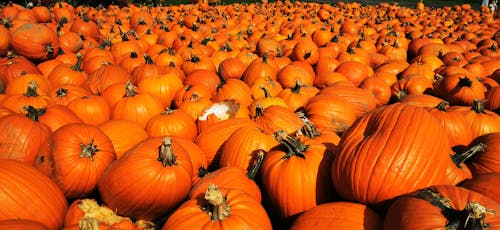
(391, 151)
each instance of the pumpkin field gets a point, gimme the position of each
(265, 115)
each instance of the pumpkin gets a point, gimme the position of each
(482, 184)
(124, 134)
(56, 116)
(372, 137)
(42, 47)
(486, 161)
(330, 113)
(159, 164)
(441, 207)
(456, 125)
(88, 150)
(232, 208)
(459, 89)
(21, 180)
(241, 149)
(64, 94)
(14, 66)
(234, 89)
(90, 109)
(136, 106)
(481, 120)
(341, 214)
(492, 97)
(35, 136)
(310, 170)
(172, 122)
(361, 100)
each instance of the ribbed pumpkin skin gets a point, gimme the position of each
(28, 194)
(213, 137)
(392, 151)
(246, 213)
(489, 160)
(339, 215)
(124, 134)
(16, 224)
(76, 172)
(412, 213)
(138, 186)
(483, 184)
(242, 146)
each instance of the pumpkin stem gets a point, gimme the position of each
(459, 158)
(259, 110)
(307, 54)
(33, 113)
(400, 94)
(49, 49)
(166, 155)
(148, 59)
(195, 58)
(31, 91)
(252, 172)
(471, 217)
(124, 35)
(478, 106)
(61, 92)
(267, 94)
(309, 129)
(130, 89)
(88, 150)
(465, 82)
(219, 209)
(167, 111)
(202, 171)
(293, 145)
(78, 64)
(442, 105)
(296, 88)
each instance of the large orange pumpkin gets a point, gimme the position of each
(43, 46)
(376, 161)
(28, 194)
